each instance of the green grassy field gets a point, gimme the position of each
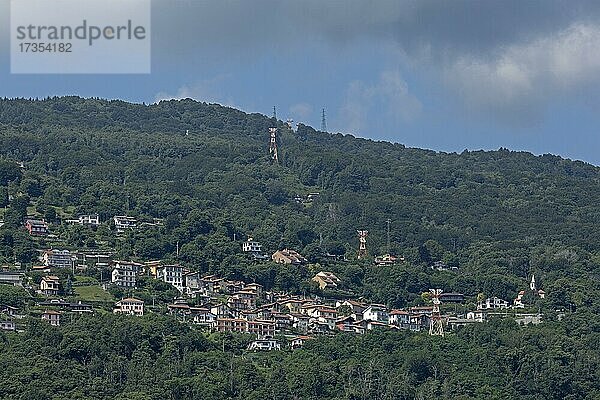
(92, 293)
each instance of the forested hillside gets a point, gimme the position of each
(205, 172)
(499, 216)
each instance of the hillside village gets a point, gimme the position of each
(216, 304)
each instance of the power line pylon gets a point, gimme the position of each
(362, 246)
(273, 145)
(436, 326)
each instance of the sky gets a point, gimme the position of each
(443, 75)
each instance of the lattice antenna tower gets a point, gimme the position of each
(436, 326)
(273, 144)
(362, 243)
(323, 122)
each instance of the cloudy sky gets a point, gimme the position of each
(445, 75)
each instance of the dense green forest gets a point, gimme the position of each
(155, 358)
(205, 171)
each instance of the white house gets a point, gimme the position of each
(130, 306)
(478, 316)
(124, 273)
(251, 246)
(399, 317)
(203, 316)
(89, 219)
(50, 285)
(7, 326)
(52, 317)
(124, 223)
(264, 345)
(376, 312)
(492, 303)
(171, 274)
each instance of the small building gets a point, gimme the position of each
(89, 259)
(287, 256)
(36, 227)
(356, 308)
(9, 310)
(193, 284)
(452, 297)
(492, 303)
(251, 246)
(52, 317)
(442, 266)
(171, 274)
(376, 312)
(150, 267)
(300, 322)
(7, 326)
(327, 280)
(130, 306)
(50, 285)
(58, 258)
(124, 223)
(202, 316)
(478, 316)
(89, 220)
(256, 288)
(386, 259)
(299, 341)
(518, 302)
(266, 344)
(257, 327)
(322, 314)
(399, 318)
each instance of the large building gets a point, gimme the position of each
(124, 273)
(11, 278)
(59, 258)
(172, 274)
(257, 327)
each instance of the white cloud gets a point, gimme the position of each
(206, 90)
(521, 78)
(389, 95)
(301, 111)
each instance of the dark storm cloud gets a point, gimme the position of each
(445, 28)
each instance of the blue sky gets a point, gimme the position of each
(442, 75)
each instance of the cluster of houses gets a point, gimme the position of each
(123, 223)
(222, 305)
(235, 306)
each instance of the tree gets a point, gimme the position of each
(3, 196)
(9, 171)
